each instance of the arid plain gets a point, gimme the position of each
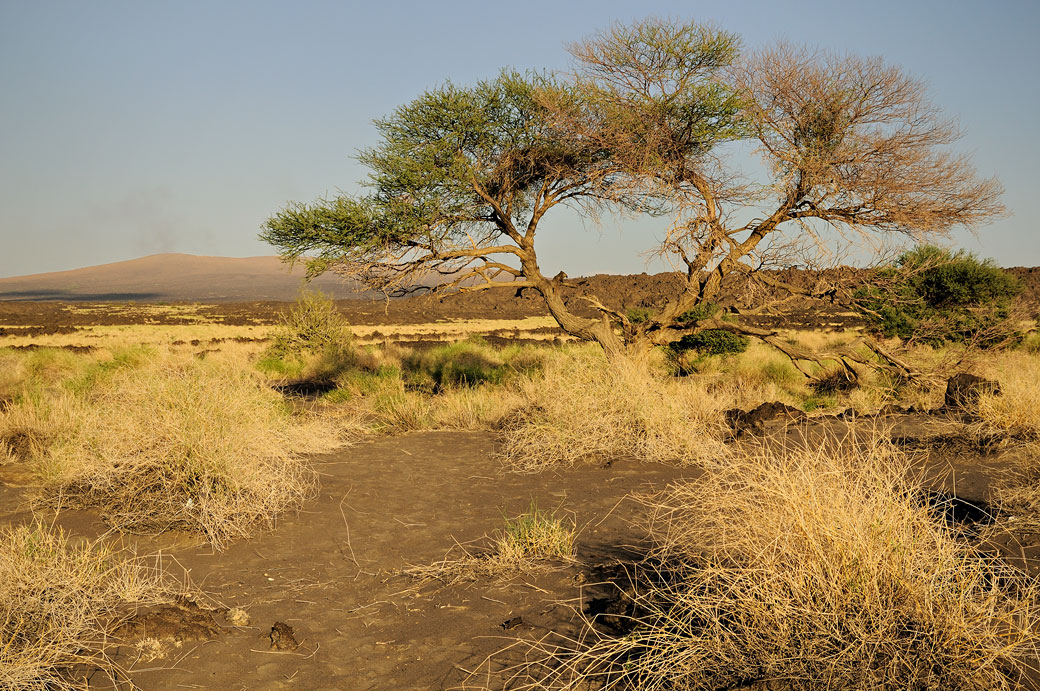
(453, 494)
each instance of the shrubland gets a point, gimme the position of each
(808, 568)
(772, 565)
(158, 440)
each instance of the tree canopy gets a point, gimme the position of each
(462, 176)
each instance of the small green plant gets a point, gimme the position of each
(780, 372)
(314, 341)
(1031, 342)
(712, 342)
(522, 545)
(638, 315)
(467, 363)
(812, 403)
(705, 310)
(535, 534)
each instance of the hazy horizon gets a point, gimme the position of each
(140, 128)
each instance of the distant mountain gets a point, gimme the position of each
(174, 277)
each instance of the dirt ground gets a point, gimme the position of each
(330, 578)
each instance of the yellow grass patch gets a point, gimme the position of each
(171, 441)
(1017, 409)
(525, 543)
(582, 407)
(58, 598)
(808, 569)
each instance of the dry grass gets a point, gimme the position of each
(468, 385)
(58, 600)
(808, 569)
(525, 543)
(173, 442)
(580, 407)
(1017, 409)
(1015, 414)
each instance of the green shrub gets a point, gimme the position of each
(638, 315)
(712, 342)
(702, 311)
(312, 325)
(314, 341)
(935, 296)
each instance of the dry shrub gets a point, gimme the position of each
(183, 443)
(525, 543)
(312, 324)
(809, 569)
(58, 599)
(583, 407)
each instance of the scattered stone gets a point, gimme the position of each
(236, 616)
(891, 409)
(183, 620)
(510, 624)
(283, 637)
(756, 418)
(963, 390)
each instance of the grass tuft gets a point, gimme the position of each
(171, 442)
(525, 543)
(58, 599)
(581, 407)
(811, 569)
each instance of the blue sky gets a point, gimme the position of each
(130, 128)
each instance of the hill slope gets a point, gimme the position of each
(173, 277)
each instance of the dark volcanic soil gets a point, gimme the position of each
(619, 292)
(330, 577)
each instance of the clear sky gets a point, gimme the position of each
(137, 127)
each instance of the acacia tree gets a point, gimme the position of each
(649, 123)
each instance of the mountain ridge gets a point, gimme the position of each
(174, 277)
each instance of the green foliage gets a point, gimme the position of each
(459, 165)
(780, 372)
(705, 310)
(817, 402)
(638, 315)
(496, 136)
(312, 325)
(1031, 342)
(467, 363)
(313, 342)
(358, 382)
(712, 342)
(936, 296)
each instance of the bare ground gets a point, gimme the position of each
(331, 575)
